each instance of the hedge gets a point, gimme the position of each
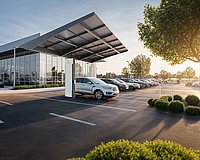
(162, 105)
(178, 97)
(192, 100)
(37, 86)
(192, 110)
(166, 98)
(131, 150)
(150, 102)
(170, 150)
(153, 102)
(176, 106)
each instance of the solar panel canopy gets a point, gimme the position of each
(86, 38)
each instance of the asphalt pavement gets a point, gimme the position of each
(48, 126)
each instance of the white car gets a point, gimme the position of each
(130, 86)
(196, 84)
(95, 86)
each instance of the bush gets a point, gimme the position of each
(166, 98)
(192, 110)
(192, 100)
(37, 86)
(178, 97)
(158, 150)
(153, 102)
(176, 106)
(162, 105)
(170, 150)
(121, 149)
(150, 102)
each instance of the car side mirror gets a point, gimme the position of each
(89, 83)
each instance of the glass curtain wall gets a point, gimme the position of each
(41, 68)
(26, 70)
(38, 68)
(52, 69)
(85, 69)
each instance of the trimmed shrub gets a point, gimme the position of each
(157, 149)
(121, 149)
(150, 102)
(162, 105)
(178, 97)
(192, 110)
(170, 150)
(153, 102)
(37, 86)
(176, 106)
(76, 159)
(166, 98)
(192, 100)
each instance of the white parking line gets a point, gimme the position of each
(1, 122)
(122, 109)
(96, 105)
(72, 119)
(6, 103)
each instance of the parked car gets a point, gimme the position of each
(121, 86)
(144, 84)
(96, 87)
(1, 83)
(196, 84)
(190, 83)
(128, 80)
(131, 86)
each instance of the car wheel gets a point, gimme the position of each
(98, 94)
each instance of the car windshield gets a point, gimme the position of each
(115, 81)
(120, 80)
(97, 81)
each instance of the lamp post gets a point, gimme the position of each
(14, 67)
(62, 76)
(96, 72)
(128, 68)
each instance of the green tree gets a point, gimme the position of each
(164, 74)
(156, 76)
(189, 73)
(125, 72)
(140, 66)
(172, 30)
(180, 75)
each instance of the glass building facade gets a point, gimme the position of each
(41, 68)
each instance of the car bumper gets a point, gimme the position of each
(111, 93)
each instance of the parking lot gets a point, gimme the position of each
(47, 125)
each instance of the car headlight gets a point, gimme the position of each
(115, 89)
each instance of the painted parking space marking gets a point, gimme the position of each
(4, 102)
(1, 122)
(72, 119)
(88, 104)
(116, 108)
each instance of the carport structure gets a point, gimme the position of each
(87, 39)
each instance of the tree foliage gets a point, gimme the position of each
(164, 74)
(172, 30)
(189, 73)
(125, 72)
(140, 66)
(180, 75)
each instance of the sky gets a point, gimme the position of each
(21, 18)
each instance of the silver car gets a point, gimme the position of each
(95, 86)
